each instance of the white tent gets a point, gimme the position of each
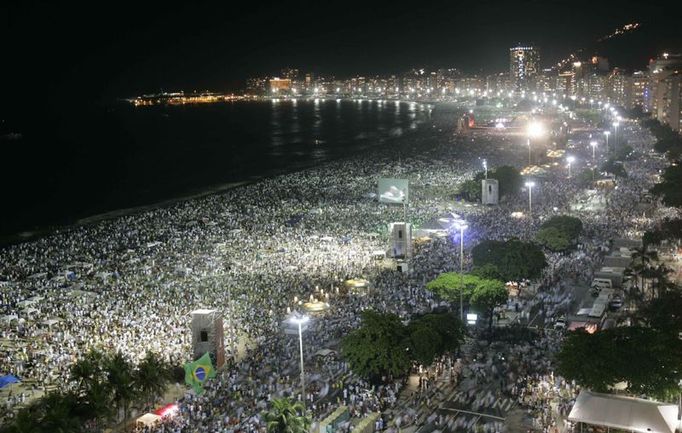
(624, 413)
(148, 419)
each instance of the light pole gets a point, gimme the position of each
(529, 153)
(607, 133)
(535, 129)
(615, 135)
(569, 160)
(530, 185)
(461, 225)
(485, 168)
(594, 147)
(300, 320)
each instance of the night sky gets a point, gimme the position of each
(96, 51)
(65, 64)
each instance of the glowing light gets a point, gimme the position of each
(535, 129)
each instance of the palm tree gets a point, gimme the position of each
(151, 377)
(96, 403)
(659, 275)
(644, 256)
(26, 421)
(287, 417)
(119, 374)
(88, 370)
(59, 413)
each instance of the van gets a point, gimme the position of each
(602, 283)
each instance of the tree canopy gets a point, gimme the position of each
(287, 416)
(384, 347)
(379, 348)
(482, 293)
(614, 167)
(513, 259)
(102, 382)
(649, 361)
(509, 179)
(559, 232)
(669, 188)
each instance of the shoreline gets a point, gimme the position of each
(193, 194)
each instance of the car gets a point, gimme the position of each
(616, 302)
(560, 323)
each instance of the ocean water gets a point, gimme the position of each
(81, 163)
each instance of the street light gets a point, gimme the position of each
(607, 133)
(594, 147)
(615, 134)
(300, 320)
(535, 130)
(485, 167)
(461, 225)
(530, 185)
(570, 160)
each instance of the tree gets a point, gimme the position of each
(669, 230)
(471, 190)
(379, 348)
(448, 285)
(152, 376)
(484, 293)
(649, 361)
(572, 226)
(487, 295)
(614, 167)
(664, 313)
(509, 179)
(514, 259)
(286, 416)
(487, 271)
(449, 328)
(120, 376)
(59, 413)
(434, 334)
(553, 239)
(425, 344)
(668, 189)
(88, 370)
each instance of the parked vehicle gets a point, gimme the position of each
(560, 323)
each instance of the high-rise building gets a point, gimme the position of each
(524, 66)
(618, 88)
(659, 70)
(280, 85)
(640, 95)
(670, 103)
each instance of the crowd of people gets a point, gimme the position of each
(257, 252)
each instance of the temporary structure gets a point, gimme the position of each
(148, 419)
(624, 413)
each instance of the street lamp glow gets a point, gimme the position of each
(300, 320)
(530, 184)
(461, 225)
(535, 129)
(569, 160)
(594, 147)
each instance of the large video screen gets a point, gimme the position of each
(393, 191)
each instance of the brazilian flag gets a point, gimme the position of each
(198, 372)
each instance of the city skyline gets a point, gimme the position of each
(69, 49)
